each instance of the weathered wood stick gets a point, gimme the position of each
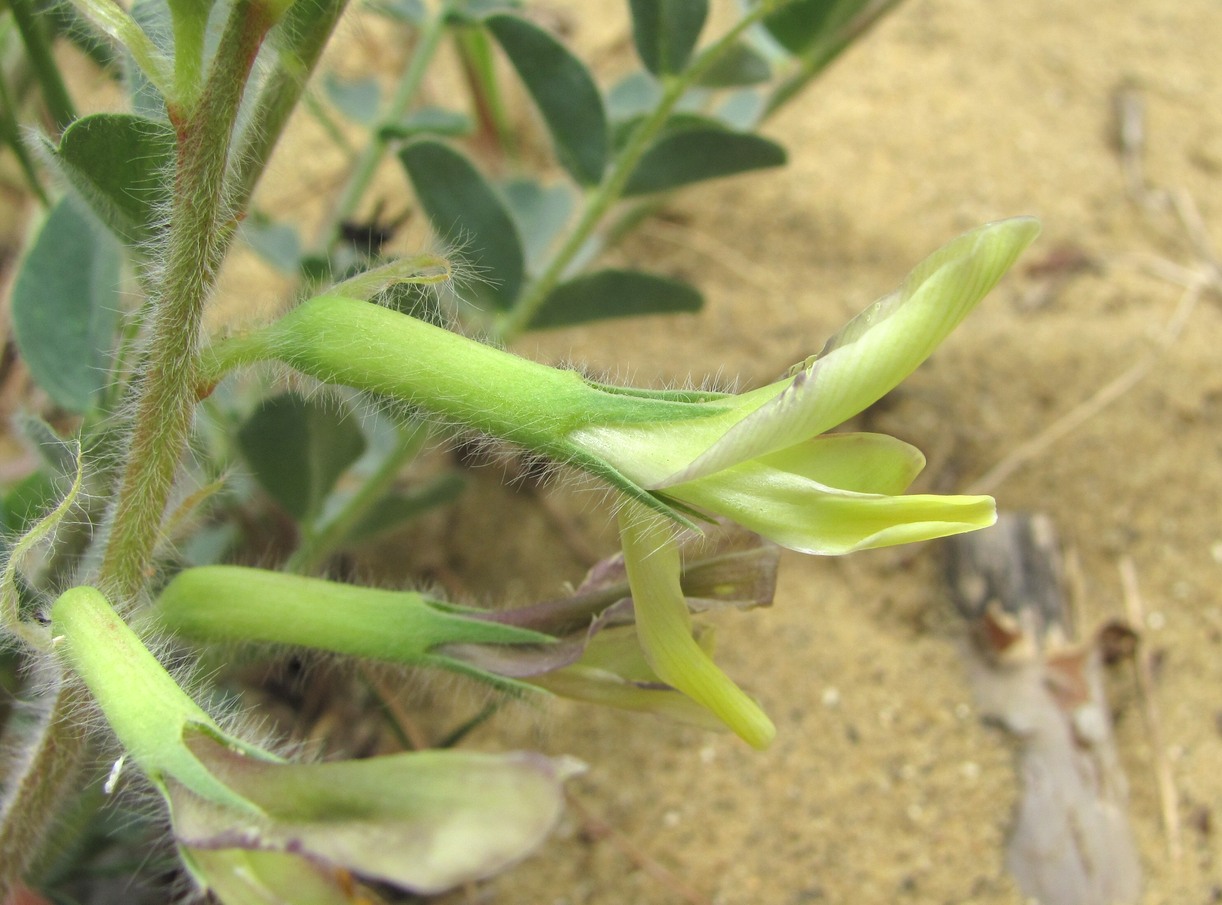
(1071, 843)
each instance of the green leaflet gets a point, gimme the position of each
(121, 165)
(65, 303)
(665, 32)
(564, 91)
(615, 293)
(298, 448)
(699, 153)
(467, 214)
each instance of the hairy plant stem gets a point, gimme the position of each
(199, 233)
(200, 230)
(303, 44)
(608, 192)
(38, 785)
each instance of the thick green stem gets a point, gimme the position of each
(601, 199)
(200, 231)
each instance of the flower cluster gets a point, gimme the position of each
(768, 464)
(763, 459)
(249, 822)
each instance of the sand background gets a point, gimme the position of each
(883, 785)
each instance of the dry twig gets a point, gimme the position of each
(1168, 794)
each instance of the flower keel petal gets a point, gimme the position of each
(665, 630)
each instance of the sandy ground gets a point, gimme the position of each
(883, 784)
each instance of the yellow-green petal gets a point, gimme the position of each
(874, 352)
(860, 462)
(789, 508)
(665, 629)
(612, 672)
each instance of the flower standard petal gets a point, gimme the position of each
(664, 627)
(873, 353)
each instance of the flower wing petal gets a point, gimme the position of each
(859, 462)
(793, 510)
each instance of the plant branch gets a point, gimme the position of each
(304, 43)
(367, 163)
(601, 199)
(479, 70)
(199, 233)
